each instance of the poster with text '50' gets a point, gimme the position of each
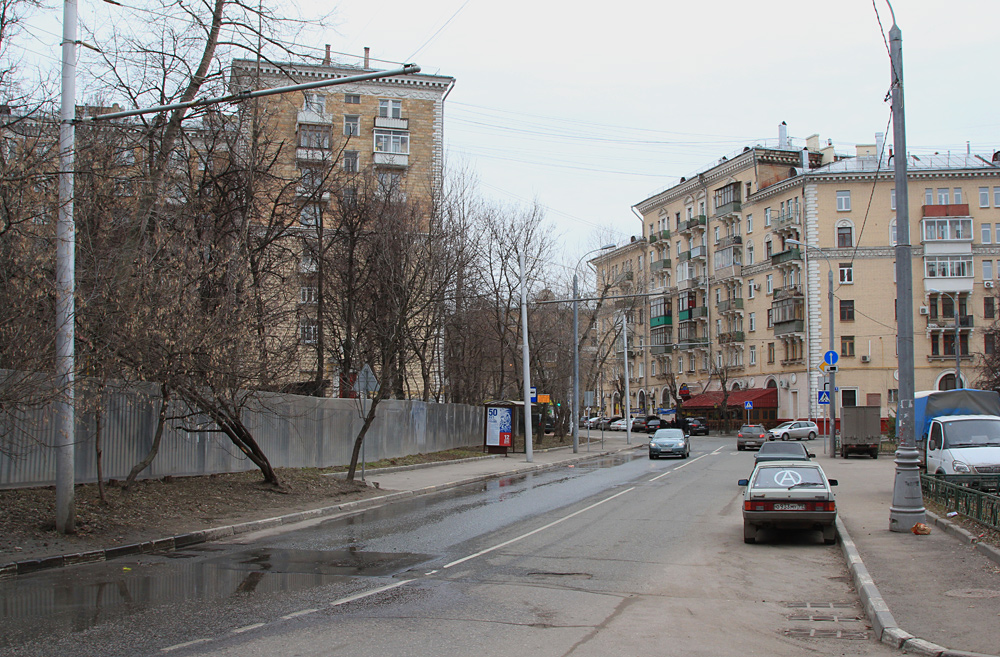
(498, 421)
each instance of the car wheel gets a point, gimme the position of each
(784, 436)
(812, 435)
(686, 454)
(830, 535)
(651, 457)
(749, 533)
(874, 453)
(740, 448)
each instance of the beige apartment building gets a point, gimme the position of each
(735, 263)
(387, 133)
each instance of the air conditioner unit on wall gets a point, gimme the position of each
(866, 359)
(987, 284)
(924, 310)
(784, 384)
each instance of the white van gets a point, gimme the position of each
(964, 444)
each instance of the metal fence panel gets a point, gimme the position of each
(293, 430)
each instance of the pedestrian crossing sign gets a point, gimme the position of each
(824, 397)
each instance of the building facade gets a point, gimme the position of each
(739, 258)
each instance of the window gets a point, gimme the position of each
(315, 103)
(716, 234)
(770, 352)
(352, 125)
(893, 397)
(389, 184)
(989, 343)
(770, 318)
(753, 321)
(751, 288)
(308, 294)
(846, 273)
(987, 233)
(768, 249)
(847, 345)
(352, 99)
(958, 266)
(310, 215)
(844, 200)
(928, 196)
(770, 283)
(767, 217)
(311, 179)
(892, 198)
(314, 136)
(943, 196)
(996, 238)
(984, 197)
(391, 109)
(947, 228)
(749, 253)
(989, 307)
(753, 354)
(718, 295)
(307, 265)
(957, 194)
(996, 197)
(351, 161)
(392, 141)
(847, 310)
(892, 233)
(308, 330)
(935, 345)
(845, 236)
(987, 270)
(848, 397)
(750, 222)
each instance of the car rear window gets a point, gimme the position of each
(786, 477)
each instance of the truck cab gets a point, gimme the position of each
(964, 444)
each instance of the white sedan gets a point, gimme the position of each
(618, 425)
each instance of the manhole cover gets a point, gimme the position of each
(973, 593)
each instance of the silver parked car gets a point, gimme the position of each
(794, 430)
(789, 495)
(669, 442)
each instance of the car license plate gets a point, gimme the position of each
(788, 506)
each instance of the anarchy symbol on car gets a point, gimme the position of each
(787, 478)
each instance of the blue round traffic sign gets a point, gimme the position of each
(830, 357)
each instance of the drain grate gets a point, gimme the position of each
(819, 605)
(813, 633)
(826, 618)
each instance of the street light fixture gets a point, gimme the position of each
(575, 416)
(833, 375)
(958, 342)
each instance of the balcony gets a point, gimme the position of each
(691, 343)
(661, 349)
(392, 123)
(659, 265)
(730, 305)
(789, 327)
(786, 256)
(662, 320)
(683, 257)
(699, 252)
(659, 235)
(953, 210)
(945, 322)
(692, 313)
(625, 276)
(691, 283)
(790, 292)
(314, 154)
(386, 159)
(732, 240)
(728, 208)
(787, 219)
(697, 220)
(731, 337)
(725, 273)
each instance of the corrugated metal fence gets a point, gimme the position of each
(294, 431)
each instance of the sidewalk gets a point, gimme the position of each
(928, 595)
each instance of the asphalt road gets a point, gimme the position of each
(620, 556)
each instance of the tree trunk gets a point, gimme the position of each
(161, 421)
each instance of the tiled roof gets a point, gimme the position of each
(761, 398)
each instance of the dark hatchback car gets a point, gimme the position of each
(697, 427)
(751, 435)
(653, 423)
(771, 451)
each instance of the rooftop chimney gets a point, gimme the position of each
(326, 58)
(783, 135)
(879, 145)
(367, 50)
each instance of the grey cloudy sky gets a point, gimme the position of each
(591, 109)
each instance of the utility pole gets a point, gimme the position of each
(627, 406)
(529, 454)
(833, 374)
(66, 284)
(907, 500)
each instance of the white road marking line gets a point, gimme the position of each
(365, 594)
(535, 531)
(431, 572)
(718, 450)
(686, 463)
(184, 645)
(247, 628)
(296, 614)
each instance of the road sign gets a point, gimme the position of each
(826, 368)
(830, 357)
(544, 399)
(824, 396)
(534, 395)
(366, 381)
(748, 405)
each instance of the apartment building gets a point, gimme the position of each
(383, 136)
(739, 259)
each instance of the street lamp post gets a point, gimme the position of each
(958, 342)
(833, 375)
(575, 416)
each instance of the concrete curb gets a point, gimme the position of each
(13, 569)
(964, 535)
(876, 609)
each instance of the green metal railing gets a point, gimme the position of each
(965, 494)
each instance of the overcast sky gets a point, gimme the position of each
(592, 108)
(589, 109)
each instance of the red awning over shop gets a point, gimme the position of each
(761, 398)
